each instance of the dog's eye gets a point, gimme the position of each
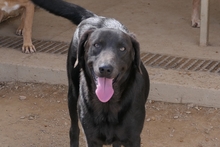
(122, 49)
(96, 45)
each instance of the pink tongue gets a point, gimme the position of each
(104, 90)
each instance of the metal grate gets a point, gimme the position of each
(149, 59)
(54, 47)
(180, 63)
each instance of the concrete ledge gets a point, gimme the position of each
(200, 88)
(184, 94)
(166, 85)
(45, 68)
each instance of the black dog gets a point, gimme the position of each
(108, 84)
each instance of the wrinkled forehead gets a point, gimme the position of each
(110, 34)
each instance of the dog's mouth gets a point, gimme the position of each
(104, 88)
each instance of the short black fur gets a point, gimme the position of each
(103, 43)
(65, 9)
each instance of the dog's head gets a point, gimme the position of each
(109, 55)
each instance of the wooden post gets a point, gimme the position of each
(204, 29)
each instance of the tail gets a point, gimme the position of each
(73, 12)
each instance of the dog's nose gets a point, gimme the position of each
(105, 70)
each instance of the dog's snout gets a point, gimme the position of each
(105, 70)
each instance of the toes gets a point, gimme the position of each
(196, 24)
(27, 49)
(19, 32)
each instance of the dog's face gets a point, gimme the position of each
(109, 55)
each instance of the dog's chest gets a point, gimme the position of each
(9, 8)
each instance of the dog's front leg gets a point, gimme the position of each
(74, 129)
(91, 144)
(20, 28)
(134, 142)
(28, 15)
(74, 135)
(195, 14)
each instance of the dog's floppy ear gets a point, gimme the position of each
(137, 58)
(81, 47)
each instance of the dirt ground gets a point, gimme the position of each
(36, 115)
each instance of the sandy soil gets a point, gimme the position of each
(36, 115)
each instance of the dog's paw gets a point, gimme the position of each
(28, 48)
(196, 23)
(19, 32)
